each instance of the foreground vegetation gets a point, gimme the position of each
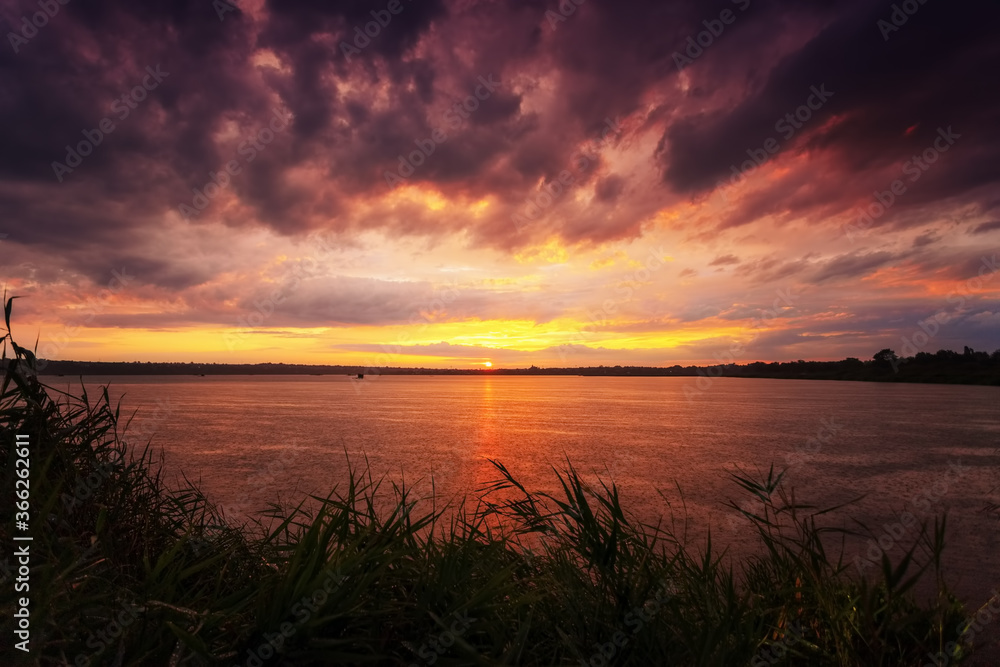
(126, 571)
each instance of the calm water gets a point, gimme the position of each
(250, 440)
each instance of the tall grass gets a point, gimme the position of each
(134, 573)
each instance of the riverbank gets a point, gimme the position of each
(942, 367)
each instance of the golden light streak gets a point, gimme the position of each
(434, 200)
(551, 252)
(324, 345)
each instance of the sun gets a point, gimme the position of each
(488, 364)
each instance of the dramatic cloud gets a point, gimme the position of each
(631, 181)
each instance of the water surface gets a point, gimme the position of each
(917, 448)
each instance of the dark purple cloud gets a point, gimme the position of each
(598, 96)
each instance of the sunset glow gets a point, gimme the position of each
(468, 332)
(595, 207)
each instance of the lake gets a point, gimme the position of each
(921, 449)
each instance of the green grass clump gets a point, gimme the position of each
(126, 571)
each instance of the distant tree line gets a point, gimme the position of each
(944, 366)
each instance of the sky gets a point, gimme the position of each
(445, 183)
